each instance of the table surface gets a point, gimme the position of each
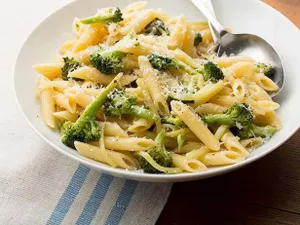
(266, 192)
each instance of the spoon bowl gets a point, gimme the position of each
(244, 45)
(255, 47)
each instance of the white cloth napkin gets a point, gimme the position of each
(41, 186)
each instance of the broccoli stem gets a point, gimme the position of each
(266, 131)
(92, 109)
(143, 113)
(184, 67)
(219, 119)
(93, 19)
(180, 141)
(256, 131)
(160, 140)
(175, 120)
(112, 16)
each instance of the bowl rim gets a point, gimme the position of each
(134, 174)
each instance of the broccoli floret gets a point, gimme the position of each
(175, 120)
(119, 103)
(157, 27)
(256, 131)
(266, 69)
(112, 15)
(159, 154)
(70, 64)
(108, 62)
(163, 63)
(211, 72)
(238, 115)
(198, 39)
(86, 128)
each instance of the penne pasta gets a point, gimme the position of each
(232, 144)
(207, 92)
(66, 116)
(140, 125)
(155, 91)
(210, 108)
(188, 165)
(174, 106)
(50, 70)
(92, 35)
(221, 158)
(47, 106)
(195, 124)
(120, 160)
(128, 144)
(92, 74)
(113, 129)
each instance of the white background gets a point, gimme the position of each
(17, 19)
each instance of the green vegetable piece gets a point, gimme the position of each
(175, 120)
(238, 115)
(163, 63)
(267, 69)
(198, 39)
(113, 15)
(157, 27)
(211, 72)
(108, 62)
(256, 131)
(70, 64)
(159, 154)
(119, 103)
(86, 129)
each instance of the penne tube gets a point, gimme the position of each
(47, 106)
(65, 102)
(92, 74)
(113, 129)
(66, 116)
(224, 62)
(195, 124)
(232, 144)
(120, 160)
(150, 79)
(210, 108)
(221, 158)
(49, 70)
(128, 144)
(92, 35)
(207, 92)
(188, 165)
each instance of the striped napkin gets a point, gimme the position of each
(40, 186)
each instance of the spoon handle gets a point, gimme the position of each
(206, 12)
(215, 34)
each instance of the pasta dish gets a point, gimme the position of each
(137, 89)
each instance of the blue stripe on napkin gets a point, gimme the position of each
(66, 200)
(95, 200)
(122, 203)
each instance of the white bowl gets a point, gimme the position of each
(247, 16)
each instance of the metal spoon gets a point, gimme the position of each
(245, 45)
(215, 35)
